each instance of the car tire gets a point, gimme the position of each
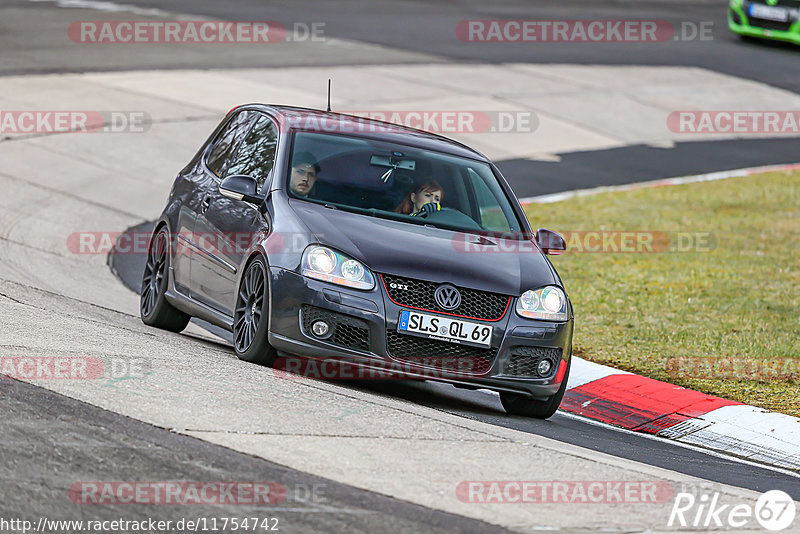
(516, 404)
(154, 309)
(251, 316)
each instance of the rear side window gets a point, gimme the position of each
(256, 155)
(227, 141)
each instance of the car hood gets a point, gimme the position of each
(509, 267)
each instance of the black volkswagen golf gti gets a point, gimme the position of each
(315, 236)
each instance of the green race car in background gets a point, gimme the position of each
(769, 19)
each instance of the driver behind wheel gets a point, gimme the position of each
(304, 174)
(425, 199)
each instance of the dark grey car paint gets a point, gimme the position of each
(284, 227)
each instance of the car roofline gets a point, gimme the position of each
(279, 109)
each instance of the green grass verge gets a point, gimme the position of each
(738, 300)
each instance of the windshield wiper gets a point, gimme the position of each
(382, 214)
(392, 216)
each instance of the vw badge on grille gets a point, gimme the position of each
(447, 297)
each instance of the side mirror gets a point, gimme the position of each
(241, 187)
(550, 242)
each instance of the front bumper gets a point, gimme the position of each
(368, 338)
(739, 23)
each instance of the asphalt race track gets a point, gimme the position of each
(36, 422)
(485, 406)
(383, 455)
(416, 32)
(425, 29)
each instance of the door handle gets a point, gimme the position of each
(204, 205)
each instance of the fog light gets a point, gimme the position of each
(320, 328)
(544, 367)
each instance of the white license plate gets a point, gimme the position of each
(445, 329)
(776, 13)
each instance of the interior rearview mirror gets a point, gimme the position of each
(550, 242)
(241, 187)
(394, 161)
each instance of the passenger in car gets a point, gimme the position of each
(304, 173)
(423, 199)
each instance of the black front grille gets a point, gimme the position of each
(523, 361)
(783, 3)
(419, 294)
(769, 24)
(440, 355)
(347, 331)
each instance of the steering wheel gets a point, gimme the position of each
(453, 217)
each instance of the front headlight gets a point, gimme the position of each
(326, 264)
(548, 303)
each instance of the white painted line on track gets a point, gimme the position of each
(682, 444)
(584, 371)
(681, 180)
(109, 7)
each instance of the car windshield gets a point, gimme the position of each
(399, 182)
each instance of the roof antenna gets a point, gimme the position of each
(329, 95)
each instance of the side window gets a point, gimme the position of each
(256, 155)
(227, 141)
(491, 213)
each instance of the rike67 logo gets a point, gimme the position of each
(774, 510)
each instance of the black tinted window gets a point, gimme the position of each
(227, 141)
(256, 155)
(392, 180)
